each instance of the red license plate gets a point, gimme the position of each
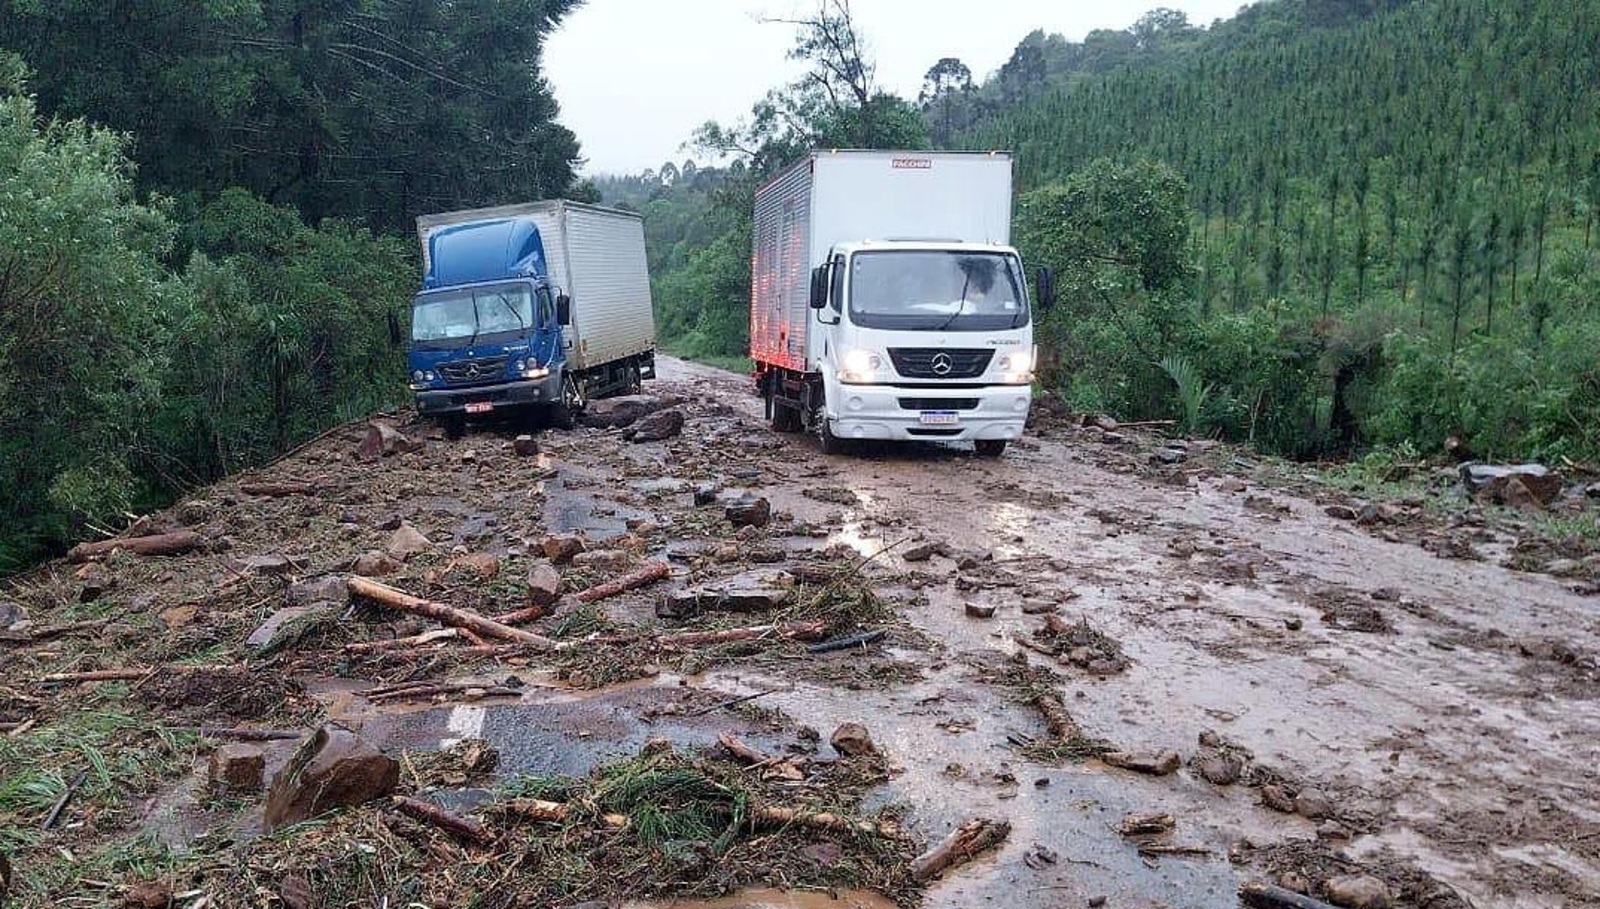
(479, 407)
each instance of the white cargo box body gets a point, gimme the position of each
(849, 196)
(596, 256)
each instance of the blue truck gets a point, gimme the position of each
(544, 305)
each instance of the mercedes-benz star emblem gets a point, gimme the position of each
(941, 364)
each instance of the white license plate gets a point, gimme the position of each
(479, 407)
(939, 418)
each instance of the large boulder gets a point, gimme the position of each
(1491, 482)
(383, 440)
(656, 427)
(334, 768)
(615, 413)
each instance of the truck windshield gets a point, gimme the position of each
(937, 290)
(455, 318)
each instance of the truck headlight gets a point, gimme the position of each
(417, 377)
(859, 367)
(1017, 367)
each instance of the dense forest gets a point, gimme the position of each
(1322, 225)
(205, 211)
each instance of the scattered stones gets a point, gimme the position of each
(753, 512)
(562, 549)
(980, 610)
(406, 542)
(1358, 891)
(375, 564)
(853, 740)
(1159, 764)
(525, 446)
(383, 440)
(656, 427)
(236, 769)
(334, 768)
(544, 584)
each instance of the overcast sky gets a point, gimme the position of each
(635, 77)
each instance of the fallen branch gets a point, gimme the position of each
(160, 544)
(822, 820)
(61, 803)
(96, 675)
(428, 691)
(961, 846)
(1057, 720)
(1142, 824)
(453, 824)
(240, 734)
(797, 630)
(416, 640)
(50, 632)
(848, 642)
(1266, 896)
(1151, 850)
(553, 812)
(449, 615)
(1147, 424)
(277, 490)
(734, 746)
(649, 574)
(530, 614)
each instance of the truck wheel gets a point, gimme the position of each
(564, 415)
(783, 417)
(831, 444)
(635, 379)
(990, 448)
(455, 425)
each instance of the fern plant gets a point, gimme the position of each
(1193, 390)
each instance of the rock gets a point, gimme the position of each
(148, 895)
(525, 446)
(484, 566)
(560, 550)
(383, 440)
(285, 626)
(1516, 494)
(1373, 514)
(1294, 623)
(95, 582)
(1039, 607)
(603, 559)
(827, 855)
(236, 768)
(270, 565)
(615, 413)
(753, 591)
(922, 552)
(852, 740)
(1160, 764)
(296, 893)
(1332, 830)
(1295, 881)
(406, 542)
(656, 427)
(11, 613)
(980, 610)
(1488, 481)
(334, 768)
(1593, 491)
(328, 589)
(706, 495)
(1313, 803)
(1358, 891)
(752, 512)
(1103, 422)
(1341, 512)
(375, 565)
(1219, 768)
(469, 457)
(544, 584)
(1168, 456)
(1277, 798)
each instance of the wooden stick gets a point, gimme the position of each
(240, 734)
(160, 544)
(61, 803)
(785, 817)
(740, 750)
(530, 614)
(50, 632)
(96, 675)
(416, 640)
(1266, 896)
(454, 824)
(22, 728)
(803, 631)
(650, 573)
(1139, 824)
(449, 615)
(428, 691)
(962, 845)
(553, 812)
(1151, 850)
(1057, 720)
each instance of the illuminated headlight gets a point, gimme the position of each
(1017, 367)
(535, 372)
(859, 367)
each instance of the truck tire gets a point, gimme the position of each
(564, 413)
(635, 379)
(990, 448)
(831, 444)
(782, 417)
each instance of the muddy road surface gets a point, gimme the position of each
(1161, 669)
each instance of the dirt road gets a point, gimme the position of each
(1342, 701)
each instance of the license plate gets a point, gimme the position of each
(939, 418)
(479, 407)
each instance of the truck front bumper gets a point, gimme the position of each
(437, 402)
(928, 415)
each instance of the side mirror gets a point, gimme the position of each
(1045, 281)
(394, 329)
(563, 309)
(819, 287)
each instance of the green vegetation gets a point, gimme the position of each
(207, 211)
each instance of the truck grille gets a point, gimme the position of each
(469, 372)
(939, 363)
(938, 403)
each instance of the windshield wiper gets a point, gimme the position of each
(960, 308)
(521, 323)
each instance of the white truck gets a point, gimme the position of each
(545, 304)
(886, 302)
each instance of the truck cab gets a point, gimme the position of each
(487, 327)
